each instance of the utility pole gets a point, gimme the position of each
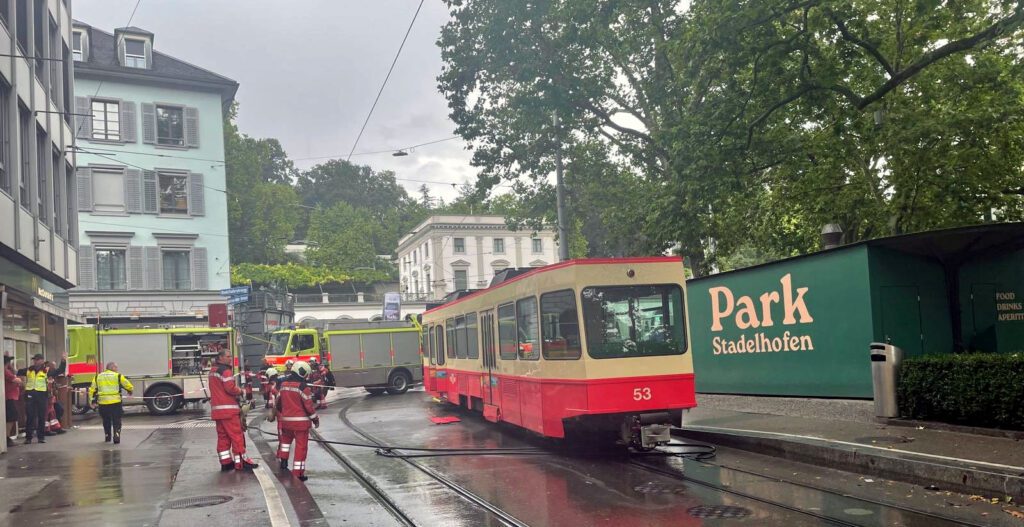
(563, 235)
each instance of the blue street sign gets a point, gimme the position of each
(235, 291)
(238, 299)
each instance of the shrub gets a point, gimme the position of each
(981, 389)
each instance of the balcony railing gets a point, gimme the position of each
(355, 298)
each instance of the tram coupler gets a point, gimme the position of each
(647, 431)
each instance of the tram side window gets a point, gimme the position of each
(529, 329)
(507, 332)
(473, 348)
(427, 343)
(439, 344)
(633, 321)
(449, 326)
(560, 326)
(460, 337)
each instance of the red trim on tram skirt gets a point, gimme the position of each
(541, 405)
(561, 265)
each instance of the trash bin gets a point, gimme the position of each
(885, 365)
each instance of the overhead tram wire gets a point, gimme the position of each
(386, 79)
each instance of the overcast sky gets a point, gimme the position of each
(309, 70)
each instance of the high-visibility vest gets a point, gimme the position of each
(35, 381)
(106, 387)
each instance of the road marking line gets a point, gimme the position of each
(860, 445)
(278, 516)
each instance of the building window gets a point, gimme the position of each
(170, 126)
(499, 246)
(426, 250)
(173, 193)
(538, 246)
(135, 53)
(5, 143)
(78, 46)
(461, 280)
(177, 275)
(43, 202)
(460, 245)
(58, 192)
(110, 270)
(106, 120)
(108, 190)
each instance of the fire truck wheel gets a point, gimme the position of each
(80, 409)
(398, 383)
(163, 400)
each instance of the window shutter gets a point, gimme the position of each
(149, 54)
(129, 123)
(154, 269)
(133, 190)
(84, 184)
(83, 118)
(150, 193)
(148, 123)
(200, 269)
(192, 127)
(86, 268)
(85, 46)
(136, 268)
(120, 51)
(196, 195)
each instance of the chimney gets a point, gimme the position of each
(831, 236)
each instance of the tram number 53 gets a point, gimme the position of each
(641, 394)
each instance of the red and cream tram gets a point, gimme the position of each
(582, 345)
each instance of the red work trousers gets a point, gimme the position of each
(230, 438)
(301, 438)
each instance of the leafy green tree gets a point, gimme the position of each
(342, 237)
(263, 208)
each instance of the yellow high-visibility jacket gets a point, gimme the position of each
(106, 387)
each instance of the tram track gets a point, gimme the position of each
(381, 496)
(830, 519)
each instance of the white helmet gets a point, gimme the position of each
(302, 368)
(288, 364)
(271, 372)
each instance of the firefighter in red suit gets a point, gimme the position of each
(295, 413)
(225, 411)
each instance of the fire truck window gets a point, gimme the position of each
(449, 326)
(560, 326)
(526, 320)
(473, 347)
(507, 332)
(302, 343)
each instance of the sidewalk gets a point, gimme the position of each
(164, 472)
(968, 463)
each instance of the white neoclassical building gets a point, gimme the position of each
(454, 252)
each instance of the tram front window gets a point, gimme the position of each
(634, 321)
(278, 344)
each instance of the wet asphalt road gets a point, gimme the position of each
(558, 486)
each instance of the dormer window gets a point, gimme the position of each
(78, 46)
(135, 53)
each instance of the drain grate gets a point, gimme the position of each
(196, 502)
(659, 488)
(719, 511)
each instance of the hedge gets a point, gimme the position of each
(975, 389)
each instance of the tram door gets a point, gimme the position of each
(487, 338)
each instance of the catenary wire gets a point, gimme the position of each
(386, 78)
(99, 86)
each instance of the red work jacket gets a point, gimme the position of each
(295, 408)
(223, 393)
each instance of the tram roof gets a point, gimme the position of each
(557, 266)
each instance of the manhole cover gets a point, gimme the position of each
(719, 511)
(884, 440)
(659, 488)
(196, 502)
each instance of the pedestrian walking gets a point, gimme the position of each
(105, 392)
(295, 413)
(227, 413)
(12, 392)
(327, 380)
(37, 395)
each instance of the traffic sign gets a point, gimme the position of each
(238, 299)
(235, 291)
